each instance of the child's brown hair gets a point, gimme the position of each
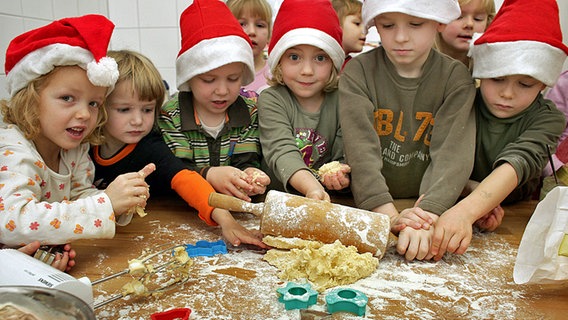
(345, 8)
(144, 77)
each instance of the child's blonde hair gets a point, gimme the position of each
(260, 8)
(144, 77)
(345, 8)
(23, 110)
(276, 78)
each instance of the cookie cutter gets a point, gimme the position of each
(297, 296)
(206, 248)
(173, 314)
(346, 300)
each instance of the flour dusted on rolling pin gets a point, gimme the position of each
(293, 216)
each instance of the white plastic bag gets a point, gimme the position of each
(543, 252)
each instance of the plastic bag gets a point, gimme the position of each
(543, 253)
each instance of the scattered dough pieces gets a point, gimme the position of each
(325, 265)
(136, 267)
(330, 168)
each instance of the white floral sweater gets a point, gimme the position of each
(37, 203)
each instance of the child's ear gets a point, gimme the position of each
(441, 27)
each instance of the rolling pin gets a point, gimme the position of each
(287, 215)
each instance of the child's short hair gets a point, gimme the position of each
(260, 8)
(145, 78)
(489, 6)
(23, 110)
(277, 79)
(345, 8)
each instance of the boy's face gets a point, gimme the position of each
(129, 118)
(353, 34)
(508, 96)
(473, 19)
(216, 90)
(69, 106)
(407, 40)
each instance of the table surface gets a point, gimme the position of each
(241, 285)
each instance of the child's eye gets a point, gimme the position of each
(208, 80)
(294, 57)
(387, 26)
(497, 79)
(321, 58)
(122, 110)
(67, 98)
(234, 79)
(262, 25)
(95, 104)
(148, 110)
(416, 24)
(480, 18)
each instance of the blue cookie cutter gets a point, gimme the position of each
(346, 300)
(206, 248)
(297, 296)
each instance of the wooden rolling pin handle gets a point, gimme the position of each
(223, 201)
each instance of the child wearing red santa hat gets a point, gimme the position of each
(208, 124)
(298, 117)
(58, 78)
(407, 119)
(519, 55)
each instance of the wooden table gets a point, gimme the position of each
(240, 285)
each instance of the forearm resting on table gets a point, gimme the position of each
(305, 182)
(489, 193)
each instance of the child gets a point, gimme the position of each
(559, 95)
(255, 16)
(407, 119)
(58, 77)
(514, 122)
(208, 125)
(354, 32)
(131, 142)
(454, 40)
(298, 114)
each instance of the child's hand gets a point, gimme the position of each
(492, 220)
(235, 233)
(337, 180)
(415, 244)
(453, 234)
(62, 262)
(413, 217)
(257, 179)
(129, 190)
(318, 194)
(230, 181)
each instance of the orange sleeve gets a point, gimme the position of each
(195, 190)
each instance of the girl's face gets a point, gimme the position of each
(306, 70)
(353, 34)
(129, 118)
(257, 29)
(458, 33)
(216, 90)
(508, 96)
(407, 40)
(68, 109)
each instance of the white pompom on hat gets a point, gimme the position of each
(81, 41)
(211, 37)
(312, 22)
(442, 11)
(524, 38)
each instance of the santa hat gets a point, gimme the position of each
(211, 37)
(524, 38)
(442, 11)
(81, 41)
(311, 22)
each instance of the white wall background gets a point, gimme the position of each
(148, 26)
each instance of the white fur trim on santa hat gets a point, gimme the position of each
(533, 58)
(443, 11)
(314, 37)
(211, 54)
(43, 60)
